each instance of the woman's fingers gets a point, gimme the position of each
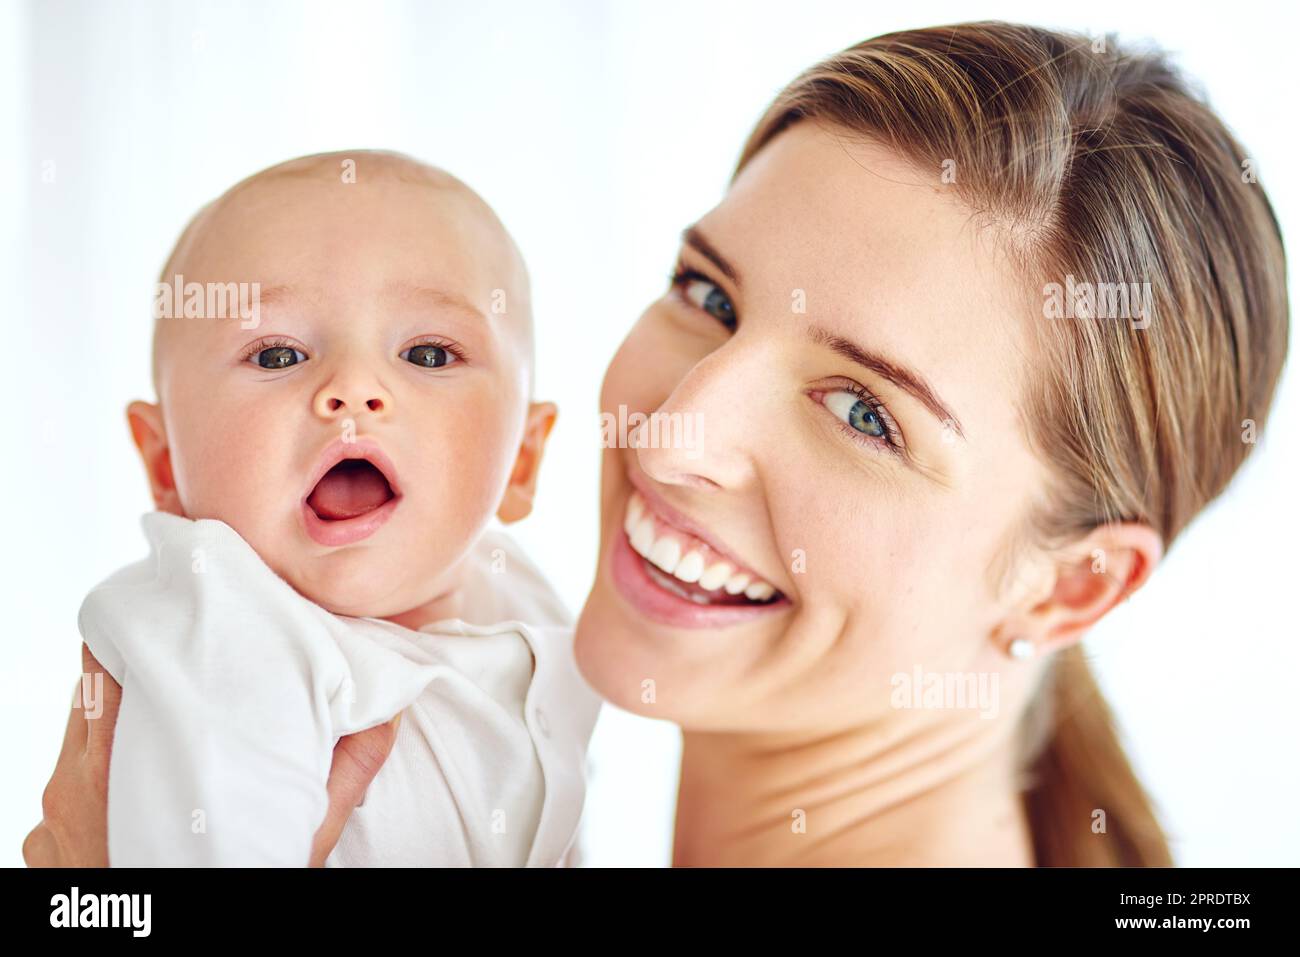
(74, 829)
(40, 848)
(357, 759)
(102, 696)
(74, 734)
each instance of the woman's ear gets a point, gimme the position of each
(1095, 575)
(150, 437)
(517, 502)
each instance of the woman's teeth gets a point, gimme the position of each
(663, 548)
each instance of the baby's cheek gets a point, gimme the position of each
(232, 466)
(472, 461)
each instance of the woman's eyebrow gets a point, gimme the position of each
(692, 237)
(900, 375)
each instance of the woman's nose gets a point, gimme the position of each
(702, 435)
(350, 394)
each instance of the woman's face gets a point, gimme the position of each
(792, 448)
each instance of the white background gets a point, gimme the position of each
(597, 131)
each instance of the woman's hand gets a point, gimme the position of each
(357, 759)
(74, 832)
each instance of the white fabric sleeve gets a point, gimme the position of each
(234, 692)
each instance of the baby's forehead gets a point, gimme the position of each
(364, 198)
(376, 222)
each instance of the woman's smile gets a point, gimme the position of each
(672, 570)
(707, 577)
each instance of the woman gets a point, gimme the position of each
(986, 317)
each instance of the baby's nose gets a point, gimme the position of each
(337, 399)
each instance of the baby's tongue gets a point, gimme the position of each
(351, 488)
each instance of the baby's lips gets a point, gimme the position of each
(358, 448)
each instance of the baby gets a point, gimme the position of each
(325, 465)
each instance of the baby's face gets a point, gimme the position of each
(393, 318)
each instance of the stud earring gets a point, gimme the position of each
(1021, 648)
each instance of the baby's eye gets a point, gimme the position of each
(428, 356)
(279, 357)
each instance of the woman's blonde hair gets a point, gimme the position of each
(1100, 165)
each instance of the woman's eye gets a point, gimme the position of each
(857, 413)
(428, 357)
(711, 299)
(279, 357)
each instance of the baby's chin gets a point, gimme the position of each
(351, 591)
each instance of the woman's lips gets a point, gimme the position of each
(693, 601)
(687, 559)
(683, 524)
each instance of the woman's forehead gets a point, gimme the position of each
(853, 212)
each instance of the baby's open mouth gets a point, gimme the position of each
(352, 487)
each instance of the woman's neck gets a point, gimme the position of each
(903, 792)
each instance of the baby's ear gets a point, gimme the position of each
(517, 502)
(151, 440)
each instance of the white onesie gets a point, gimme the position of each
(235, 689)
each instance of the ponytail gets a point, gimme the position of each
(1086, 807)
